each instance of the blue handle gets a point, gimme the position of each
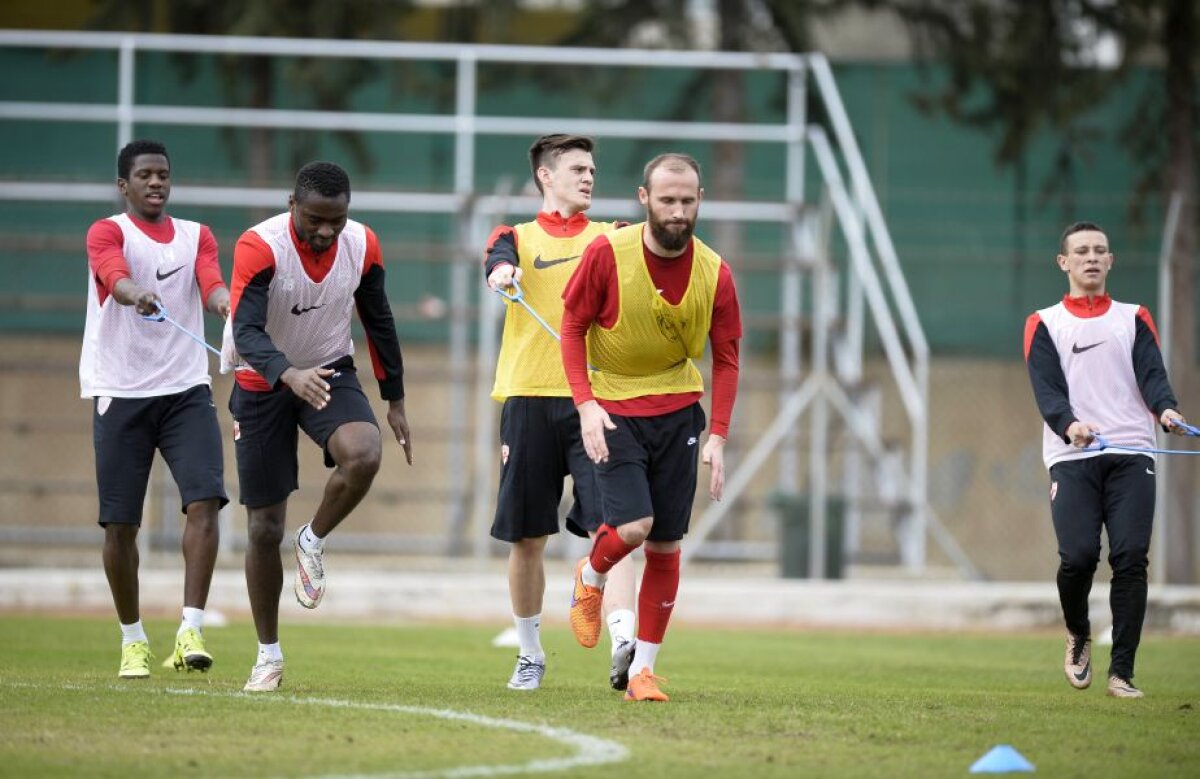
(162, 316)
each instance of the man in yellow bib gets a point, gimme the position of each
(640, 307)
(539, 434)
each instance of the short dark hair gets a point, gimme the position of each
(1077, 227)
(324, 178)
(134, 149)
(550, 147)
(675, 161)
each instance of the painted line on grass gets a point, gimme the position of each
(589, 750)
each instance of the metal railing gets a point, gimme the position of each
(875, 279)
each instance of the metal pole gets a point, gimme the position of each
(125, 97)
(1162, 513)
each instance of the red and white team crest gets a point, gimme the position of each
(237, 431)
(1053, 490)
(504, 454)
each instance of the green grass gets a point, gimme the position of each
(744, 703)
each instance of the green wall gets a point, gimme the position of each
(974, 273)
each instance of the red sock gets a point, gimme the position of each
(656, 601)
(609, 549)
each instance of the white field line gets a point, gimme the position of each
(589, 750)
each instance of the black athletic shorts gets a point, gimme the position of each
(127, 431)
(651, 471)
(540, 445)
(265, 434)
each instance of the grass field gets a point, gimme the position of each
(431, 701)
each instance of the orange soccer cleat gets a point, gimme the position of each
(585, 609)
(643, 686)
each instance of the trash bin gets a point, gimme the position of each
(792, 511)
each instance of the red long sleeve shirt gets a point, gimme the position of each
(106, 254)
(592, 295)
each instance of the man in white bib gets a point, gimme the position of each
(297, 279)
(151, 391)
(1096, 367)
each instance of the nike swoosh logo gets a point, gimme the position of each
(541, 264)
(298, 311)
(1149, 472)
(161, 276)
(1081, 675)
(1077, 349)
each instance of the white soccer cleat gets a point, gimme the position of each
(1077, 664)
(528, 674)
(266, 676)
(618, 675)
(310, 574)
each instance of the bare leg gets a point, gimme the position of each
(527, 576)
(620, 589)
(200, 537)
(121, 567)
(264, 568)
(356, 449)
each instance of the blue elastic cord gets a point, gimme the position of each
(162, 316)
(1102, 443)
(519, 297)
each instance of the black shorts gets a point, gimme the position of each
(540, 445)
(651, 471)
(127, 431)
(265, 434)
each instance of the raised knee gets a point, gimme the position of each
(361, 463)
(634, 533)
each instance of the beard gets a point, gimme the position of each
(672, 236)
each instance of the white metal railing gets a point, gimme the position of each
(874, 264)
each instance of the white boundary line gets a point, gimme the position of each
(590, 750)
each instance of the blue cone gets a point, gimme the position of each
(1002, 759)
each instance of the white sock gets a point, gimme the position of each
(644, 657)
(529, 636)
(620, 627)
(309, 541)
(591, 577)
(192, 618)
(134, 632)
(269, 652)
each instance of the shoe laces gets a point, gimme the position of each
(1078, 645)
(651, 677)
(137, 651)
(529, 670)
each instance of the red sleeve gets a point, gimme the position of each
(208, 269)
(251, 256)
(1143, 314)
(724, 334)
(1031, 326)
(585, 299)
(106, 256)
(727, 311)
(724, 384)
(374, 255)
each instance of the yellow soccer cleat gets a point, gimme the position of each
(190, 654)
(585, 609)
(135, 660)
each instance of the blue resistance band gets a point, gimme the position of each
(162, 316)
(518, 296)
(1102, 443)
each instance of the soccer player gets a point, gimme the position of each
(1096, 367)
(639, 308)
(539, 434)
(296, 279)
(152, 391)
